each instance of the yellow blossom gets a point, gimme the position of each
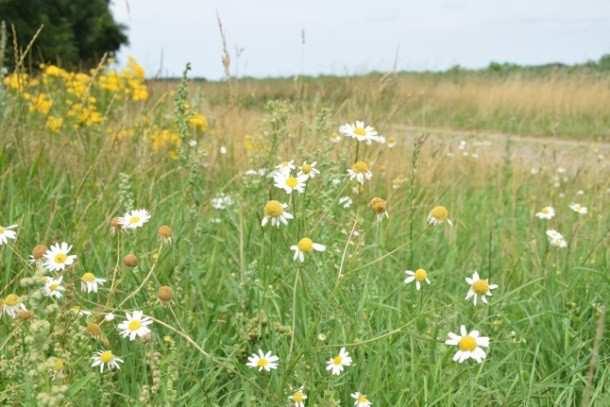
(54, 123)
(198, 122)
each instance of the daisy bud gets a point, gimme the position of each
(378, 205)
(115, 224)
(24, 315)
(131, 260)
(94, 329)
(164, 294)
(38, 251)
(165, 232)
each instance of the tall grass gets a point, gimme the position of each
(236, 287)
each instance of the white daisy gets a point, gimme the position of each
(53, 287)
(57, 258)
(89, 283)
(345, 201)
(135, 325)
(105, 358)
(360, 172)
(335, 365)
(546, 213)
(134, 219)
(308, 170)
(275, 212)
(261, 172)
(556, 239)
(361, 400)
(263, 361)
(305, 245)
(469, 345)
(283, 168)
(361, 132)
(298, 398)
(221, 201)
(109, 316)
(11, 305)
(419, 276)
(479, 288)
(7, 233)
(290, 183)
(438, 215)
(578, 208)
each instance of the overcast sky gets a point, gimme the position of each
(356, 36)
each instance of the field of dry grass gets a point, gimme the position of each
(557, 104)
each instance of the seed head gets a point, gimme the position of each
(94, 329)
(131, 260)
(115, 224)
(165, 293)
(38, 251)
(165, 232)
(378, 205)
(24, 315)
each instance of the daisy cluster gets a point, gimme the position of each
(547, 213)
(54, 268)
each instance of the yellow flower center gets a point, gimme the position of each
(360, 132)
(273, 208)
(53, 286)
(439, 213)
(133, 220)
(337, 360)
(480, 287)
(298, 396)
(58, 363)
(60, 258)
(2, 230)
(362, 399)
(546, 210)
(292, 182)
(467, 343)
(88, 277)
(306, 168)
(11, 300)
(360, 166)
(134, 325)
(262, 362)
(106, 356)
(421, 275)
(305, 245)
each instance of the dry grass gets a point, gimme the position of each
(559, 104)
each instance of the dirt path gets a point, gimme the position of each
(535, 152)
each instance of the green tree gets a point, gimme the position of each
(75, 34)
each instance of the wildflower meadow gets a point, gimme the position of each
(161, 247)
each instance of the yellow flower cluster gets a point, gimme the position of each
(166, 140)
(61, 100)
(128, 82)
(77, 98)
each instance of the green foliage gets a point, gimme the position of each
(75, 34)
